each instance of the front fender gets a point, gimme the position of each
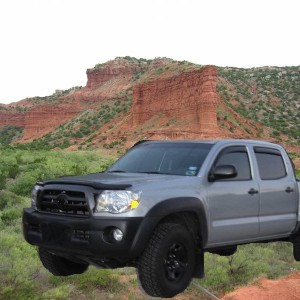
(164, 209)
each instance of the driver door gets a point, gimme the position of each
(233, 202)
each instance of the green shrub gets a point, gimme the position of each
(13, 171)
(106, 279)
(23, 184)
(9, 133)
(2, 181)
(8, 216)
(9, 199)
(19, 267)
(61, 292)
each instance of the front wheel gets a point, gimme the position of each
(166, 266)
(60, 266)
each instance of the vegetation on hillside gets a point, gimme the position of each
(22, 275)
(81, 131)
(9, 134)
(54, 98)
(270, 95)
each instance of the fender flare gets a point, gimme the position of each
(163, 209)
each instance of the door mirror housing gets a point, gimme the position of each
(222, 172)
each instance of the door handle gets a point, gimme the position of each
(253, 191)
(289, 190)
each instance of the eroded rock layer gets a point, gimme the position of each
(188, 95)
(13, 118)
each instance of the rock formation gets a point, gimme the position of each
(191, 94)
(104, 82)
(170, 100)
(119, 67)
(13, 118)
(41, 120)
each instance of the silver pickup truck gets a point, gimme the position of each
(162, 205)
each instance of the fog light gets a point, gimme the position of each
(117, 234)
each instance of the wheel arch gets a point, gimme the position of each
(187, 211)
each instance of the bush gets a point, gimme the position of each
(13, 171)
(19, 267)
(8, 216)
(8, 199)
(2, 181)
(61, 292)
(40, 165)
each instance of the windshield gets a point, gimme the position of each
(163, 158)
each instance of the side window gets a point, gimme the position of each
(238, 157)
(270, 163)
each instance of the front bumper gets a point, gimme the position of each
(83, 236)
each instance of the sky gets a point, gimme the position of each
(47, 45)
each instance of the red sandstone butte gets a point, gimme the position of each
(191, 94)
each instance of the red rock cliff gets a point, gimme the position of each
(13, 118)
(191, 94)
(41, 120)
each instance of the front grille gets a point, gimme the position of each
(63, 202)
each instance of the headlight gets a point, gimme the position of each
(34, 195)
(117, 202)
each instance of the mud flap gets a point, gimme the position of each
(199, 265)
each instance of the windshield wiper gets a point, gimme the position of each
(116, 171)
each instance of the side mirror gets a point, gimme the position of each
(222, 172)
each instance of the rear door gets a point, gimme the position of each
(278, 193)
(233, 203)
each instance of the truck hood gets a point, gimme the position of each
(108, 180)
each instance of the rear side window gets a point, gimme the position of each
(236, 156)
(270, 163)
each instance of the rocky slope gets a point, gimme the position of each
(129, 99)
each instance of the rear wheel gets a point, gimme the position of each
(166, 267)
(60, 266)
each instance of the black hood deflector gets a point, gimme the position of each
(93, 184)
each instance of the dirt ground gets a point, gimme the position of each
(286, 288)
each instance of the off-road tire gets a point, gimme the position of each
(60, 266)
(166, 266)
(296, 248)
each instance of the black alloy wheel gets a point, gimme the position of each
(176, 262)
